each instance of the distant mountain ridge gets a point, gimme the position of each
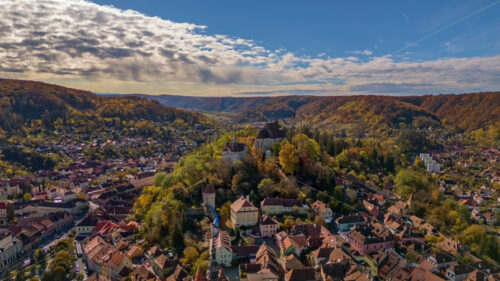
(219, 104)
(361, 113)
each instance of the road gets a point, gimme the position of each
(45, 244)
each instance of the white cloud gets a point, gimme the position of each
(102, 48)
(361, 52)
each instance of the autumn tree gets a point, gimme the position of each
(288, 158)
(190, 255)
(267, 187)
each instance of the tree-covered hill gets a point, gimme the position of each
(24, 101)
(356, 115)
(373, 115)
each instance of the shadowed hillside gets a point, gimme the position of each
(23, 101)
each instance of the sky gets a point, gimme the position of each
(249, 48)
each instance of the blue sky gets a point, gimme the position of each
(235, 48)
(339, 27)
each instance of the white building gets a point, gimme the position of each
(220, 248)
(323, 210)
(10, 250)
(268, 226)
(430, 164)
(244, 213)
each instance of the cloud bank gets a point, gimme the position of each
(105, 49)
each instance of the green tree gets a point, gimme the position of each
(27, 197)
(190, 255)
(267, 187)
(412, 181)
(10, 212)
(304, 143)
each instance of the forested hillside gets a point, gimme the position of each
(24, 101)
(220, 104)
(373, 115)
(356, 114)
(466, 111)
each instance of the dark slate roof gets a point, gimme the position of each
(444, 258)
(301, 274)
(271, 131)
(234, 147)
(209, 188)
(351, 219)
(281, 202)
(266, 220)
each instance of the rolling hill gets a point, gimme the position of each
(23, 101)
(356, 113)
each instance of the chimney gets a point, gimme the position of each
(248, 197)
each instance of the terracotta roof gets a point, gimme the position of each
(143, 274)
(420, 274)
(97, 277)
(135, 252)
(292, 262)
(322, 252)
(121, 245)
(477, 275)
(198, 276)
(335, 271)
(179, 274)
(242, 203)
(116, 259)
(245, 251)
(356, 275)
(301, 274)
(222, 239)
(267, 220)
(319, 206)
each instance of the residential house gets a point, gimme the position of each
(371, 208)
(244, 213)
(295, 244)
(10, 250)
(301, 274)
(441, 260)
(268, 226)
(89, 222)
(344, 223)
(75, 207)
(291, 261)
(266, 265)
(141, 273)
(450, 246)
(105, 260)
(220, 248)
(421, 274)
(280, 206)
(316, 235)
(370, 238)
(323, 210)
(180, 274)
